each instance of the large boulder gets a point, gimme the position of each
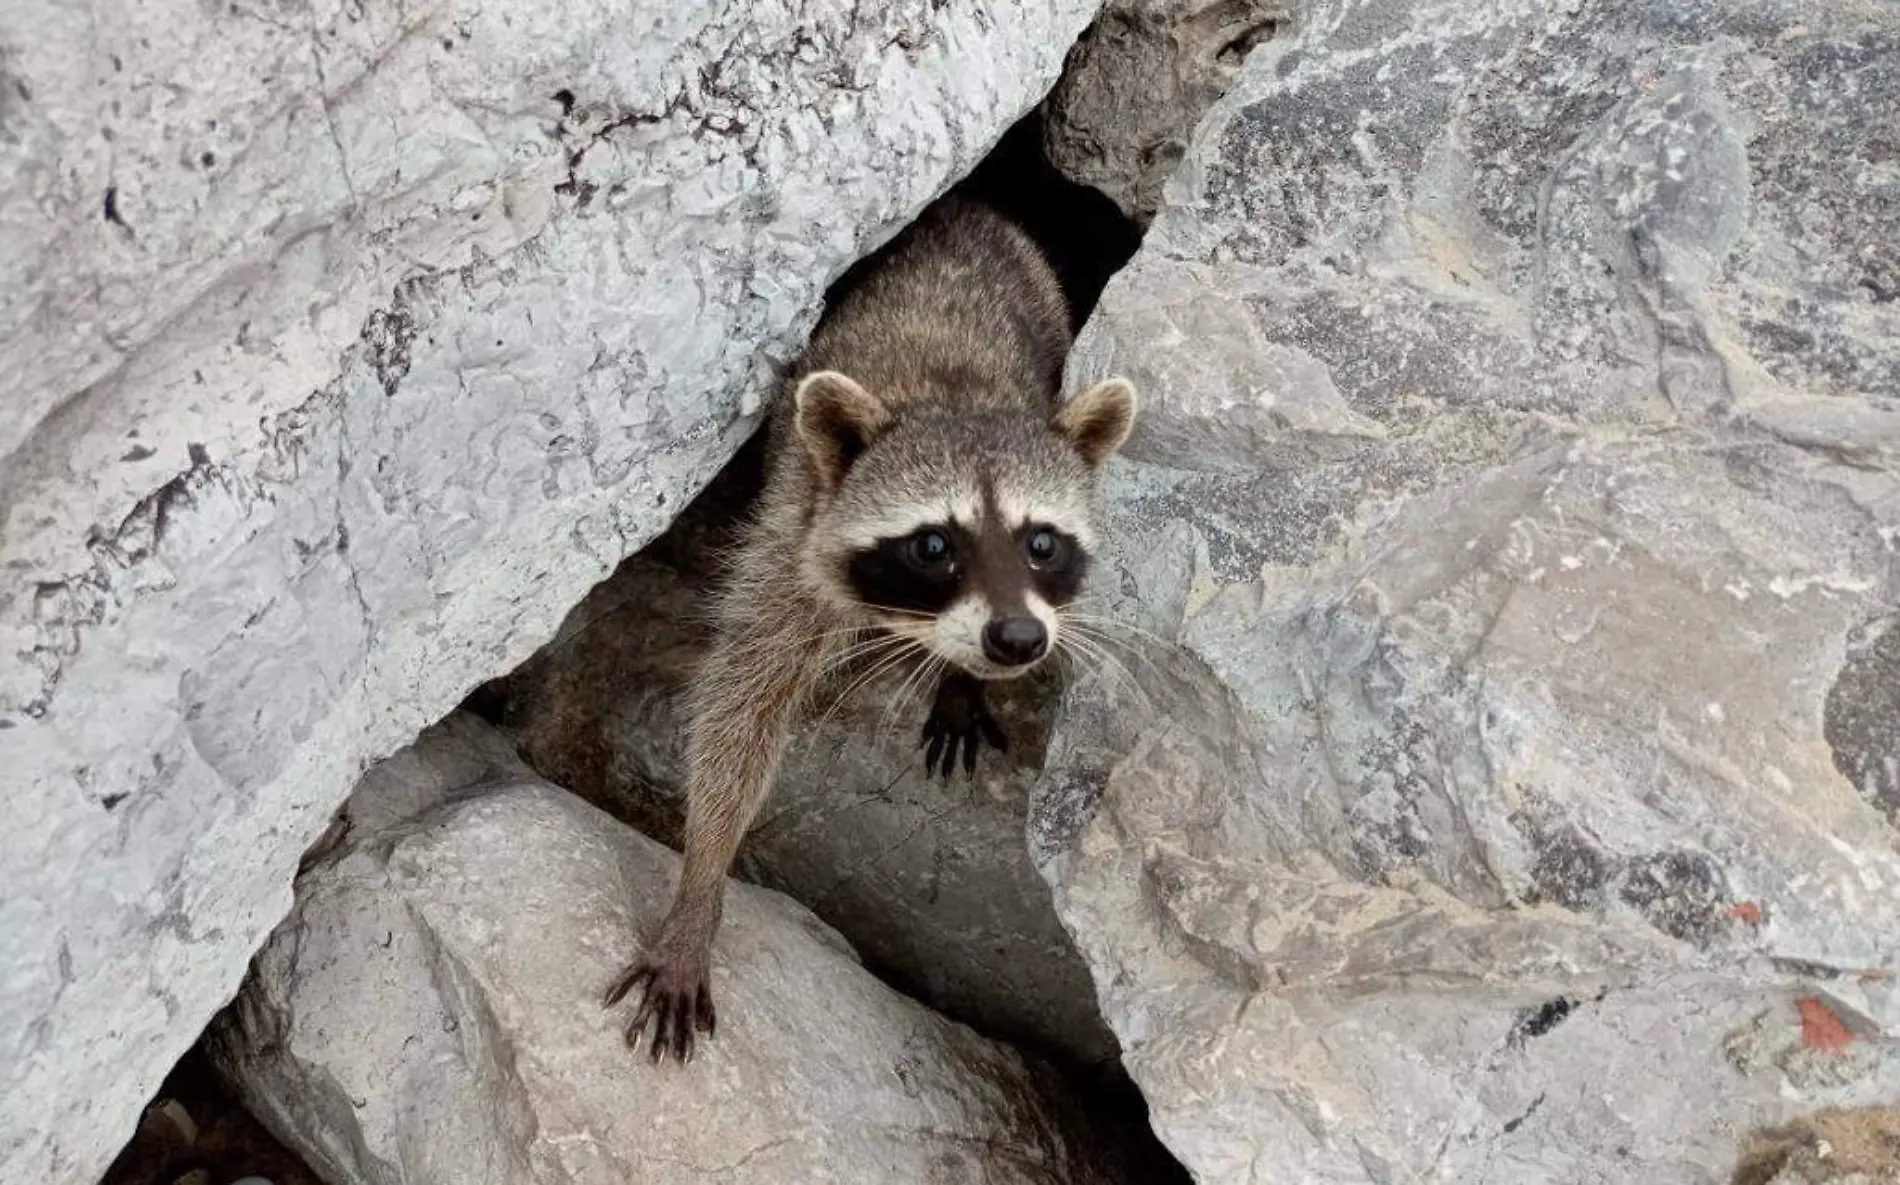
(1494, 782)
(430, 1013)
(346, 346)
(930, 879)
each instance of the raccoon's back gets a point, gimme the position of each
(961, 307)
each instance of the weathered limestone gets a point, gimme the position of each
(343, 348)
(1517, 493)
(430, 1014)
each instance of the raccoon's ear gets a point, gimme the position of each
(1096, 422)
(837, 419)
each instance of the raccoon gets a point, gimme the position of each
(929, 495)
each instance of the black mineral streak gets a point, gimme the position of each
(1535, 1022)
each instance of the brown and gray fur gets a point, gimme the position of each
(928, 402)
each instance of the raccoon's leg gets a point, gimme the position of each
(757, 677)
(959, 717)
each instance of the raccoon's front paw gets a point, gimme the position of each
(957, 720)
(677, 998)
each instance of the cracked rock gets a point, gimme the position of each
(1506, 563)
(430, 1013)
(346, 346)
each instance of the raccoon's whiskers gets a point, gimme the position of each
(883, 655)
(919, 679)
(1104, 642)
(896, 612)
(920, 671)
(1078, 611)
(1097, 630)
(901, 649)
(1102, 662)
(860, 649)
(1093, 656)
(1078, 663)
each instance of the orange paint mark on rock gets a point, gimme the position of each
(1745, 911)
(1821, 1029)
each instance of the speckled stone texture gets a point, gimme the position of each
(344, 346)
(430, 1014)
(1508, 796)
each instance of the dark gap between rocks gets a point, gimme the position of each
(195, 1133)
(1085, 236)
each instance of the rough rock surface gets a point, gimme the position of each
(345, 346)
(1137, 83)
(931, 881)
(430, 1014)
(1516, 496)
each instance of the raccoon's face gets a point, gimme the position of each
(964, 533)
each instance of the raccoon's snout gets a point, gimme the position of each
(1014, 641)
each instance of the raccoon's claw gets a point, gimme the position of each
(676, 997)
(956, 722)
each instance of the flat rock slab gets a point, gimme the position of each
(430, 1014)
(345, 347)
(1508, 573)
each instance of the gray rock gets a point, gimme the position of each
(346, 347)
(1500, 786)
(1137, 83)
(931, 881)
(430, 1014)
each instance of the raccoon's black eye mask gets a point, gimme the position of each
(926, 570)
(930, 554)
(916, 573)
(1057, 563)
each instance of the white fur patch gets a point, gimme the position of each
(957, 634)
(895, 522)
(1018, 510)
(966, 507)
(1013, 510)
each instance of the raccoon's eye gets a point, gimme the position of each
(1044, 546)
(930, 551)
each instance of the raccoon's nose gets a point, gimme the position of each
(1014, 641)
